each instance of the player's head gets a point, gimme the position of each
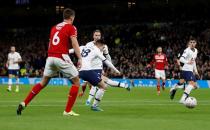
(100, 44)
(159, 49)
(69, 15)
(12, 48)
(192, 42)
(96, 34)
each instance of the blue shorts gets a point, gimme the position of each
(92, 76)
(188, 76)
(13, 72)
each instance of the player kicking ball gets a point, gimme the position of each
(188, 58)
(62, 36)
(97, 64)
(89, 53)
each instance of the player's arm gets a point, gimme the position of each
(107, 62)
(183, 58)
(106, 53)
(71, 51)
(166, 62)
(19, 59)
(76, 48)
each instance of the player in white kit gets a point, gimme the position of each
(13, 61)
(189, 69)
(97, 65)
(93, 75)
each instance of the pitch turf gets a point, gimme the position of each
(140, 109)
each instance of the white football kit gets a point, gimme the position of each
(189, 54)
(12, 58)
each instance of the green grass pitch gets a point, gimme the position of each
(140, 109)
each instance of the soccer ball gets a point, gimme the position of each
(190, 102)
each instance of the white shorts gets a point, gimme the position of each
(160, 74)
(54, 65)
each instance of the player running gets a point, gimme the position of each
(160, 61)
(181, 83)
(188, 58)
(62, 37)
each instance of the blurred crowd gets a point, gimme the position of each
(131, 47)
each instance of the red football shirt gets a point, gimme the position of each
(160, 60)
(60, 42)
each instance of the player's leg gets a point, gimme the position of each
(84, 86)
(190, 78)
(34, 91)
(157, 76)
(49, 72)
(72, 96)
(10, 80)
(175, 87)
(163, 77)
(113, 83)
(98, 96)
(17, 81)
(91, 96)
(69, 70)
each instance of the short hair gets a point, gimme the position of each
(100, 41)
(97, 30)
(192, 38)
(68, 13)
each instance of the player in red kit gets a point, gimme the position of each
(63, 37)
(160, 62)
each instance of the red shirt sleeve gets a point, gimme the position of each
(72, 31)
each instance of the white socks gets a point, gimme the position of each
(17, 84)
(186, 93)
(10, 84)
(115, 83)
(92, 93)
(98, 97)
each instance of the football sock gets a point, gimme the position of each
(186, 92)
(17, 83)
(178, 85)
(98, 97)
(158, 87)
(35, 90)
(92, 93)
(10, 83)
(115, 83)
(72, 97)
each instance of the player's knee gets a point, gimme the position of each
(76, 81)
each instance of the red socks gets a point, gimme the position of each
(72, 97)
(158, 87)
(35, 90)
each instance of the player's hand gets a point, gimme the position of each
(79, 63)
(166, 67)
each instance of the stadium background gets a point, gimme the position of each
(133, 31)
